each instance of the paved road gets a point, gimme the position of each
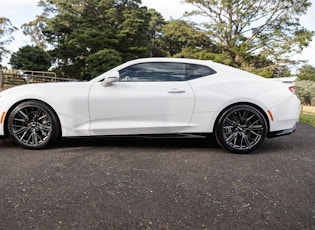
(159, 184)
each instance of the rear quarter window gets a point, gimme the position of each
(194, 71)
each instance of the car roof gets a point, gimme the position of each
(154, 59)
(221, 68)
(168, 59)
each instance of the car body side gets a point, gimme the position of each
(210, 96)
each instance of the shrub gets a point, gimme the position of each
(305, 90)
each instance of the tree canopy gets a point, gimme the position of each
(31, 58)
(307, 72)
(87, 37)
(80, 30)
(6, 29)
(245, 30)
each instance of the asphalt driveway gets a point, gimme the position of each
(135, 183)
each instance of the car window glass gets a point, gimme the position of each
(194, 71)
(153, 71)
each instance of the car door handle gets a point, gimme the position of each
(175, 90)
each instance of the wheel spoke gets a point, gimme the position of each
(21, 130)
(235, 140)
(230, 122)
(244, 116)
(47, 128)
(228, 129)
(25, 116)
(36, 138)
(255, 127)
(248, 143)
(36, 117)
(27, 141)
(232, 137)
(24, 134)
(249, 118)
(20, 120)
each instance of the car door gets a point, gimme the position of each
(150, 98)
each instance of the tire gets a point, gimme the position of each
(241, 129)
(33, 125)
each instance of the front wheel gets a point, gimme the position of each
(33, 125)
(241, 129)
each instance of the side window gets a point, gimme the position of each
(153, 71)
(196, 71)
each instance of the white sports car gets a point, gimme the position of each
(153, 96)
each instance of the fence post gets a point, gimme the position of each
(1, 79)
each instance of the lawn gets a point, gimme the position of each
(308, 118)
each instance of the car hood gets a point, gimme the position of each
(44, 91)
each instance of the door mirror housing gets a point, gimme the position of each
(110, 78)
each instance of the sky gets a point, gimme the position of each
(23, 11)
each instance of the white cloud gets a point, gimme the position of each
(168, 8)
(308, 22)
(19, 12)
(18, 3)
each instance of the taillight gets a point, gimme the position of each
(291, 88)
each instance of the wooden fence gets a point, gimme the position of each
(308, 109)
(10, 78)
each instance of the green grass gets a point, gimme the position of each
(307, 118)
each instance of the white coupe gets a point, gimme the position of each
(153, 96)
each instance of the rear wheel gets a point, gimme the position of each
(241, 129)
(33, 125)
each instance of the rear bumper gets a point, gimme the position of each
(281, 132)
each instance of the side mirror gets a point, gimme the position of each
(110, 79)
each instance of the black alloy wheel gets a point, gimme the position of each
(241, 129)
(33, 125)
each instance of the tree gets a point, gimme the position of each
(31, 58)
(34, 29)
(244, 30)
(307, 72)
(183, 39)
(6, 29)
(157, 44)
(133, 36)
(102, 61)
(77, 29)
(305, 90)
